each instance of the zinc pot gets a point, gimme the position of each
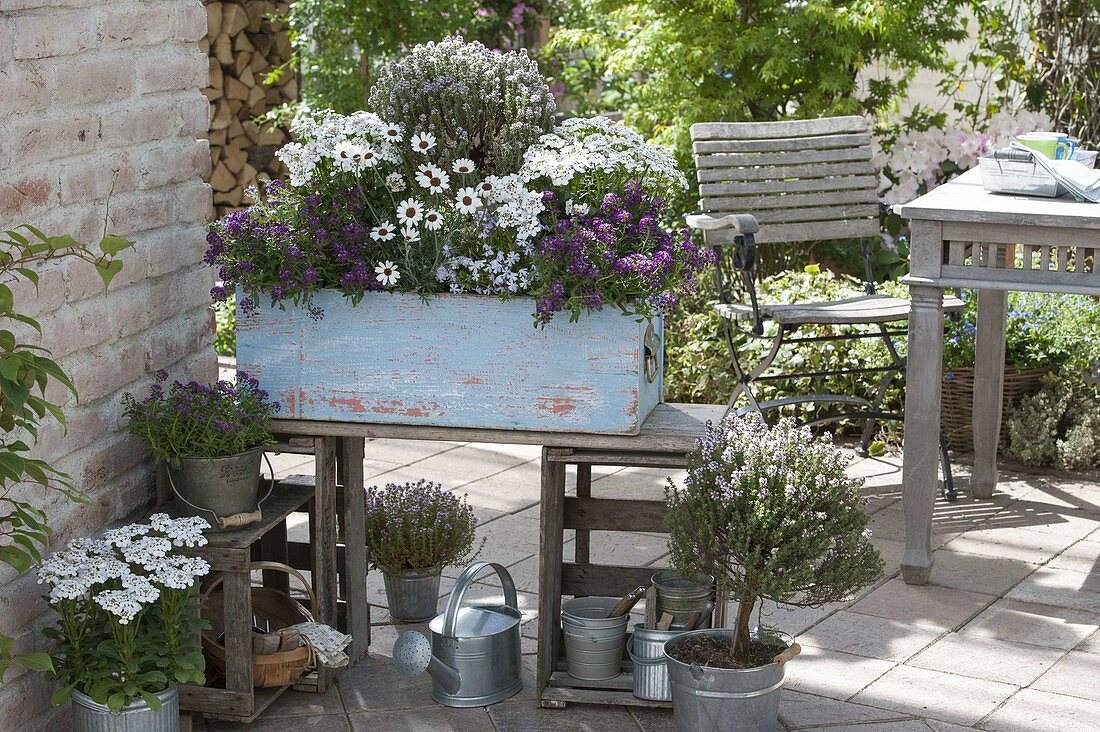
(413, 594)
(594, 643)
(223, 490)
(719, 700)
(88, 716)
(647, 650)
(683, 596)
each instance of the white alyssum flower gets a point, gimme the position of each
(433, 221)
(423, 142)
(395, 182)
(575, 208)
(410, 211)
(383, 232)
(387, 274)
(467, 200)
(463, 166)
(432, 178)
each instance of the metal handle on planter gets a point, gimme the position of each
(651, 348)
(237, 519)
(463, 583)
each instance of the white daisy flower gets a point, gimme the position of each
(348, 156)
(392, 133)
(433, 220)
(434, 179)
(410, 211)
(423, 142)
(395, 182)
(467, 201)
(486, 186)
(383, 232)
(463, 166)
(387, 274)
(411, 234)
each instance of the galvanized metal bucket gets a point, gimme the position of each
(474, 655)
(594, 643)
(222, 490)
(718, 700)
(413, 594)
(647, 650)
(88, 716)
(682, 596)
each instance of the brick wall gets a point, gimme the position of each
(99, 112)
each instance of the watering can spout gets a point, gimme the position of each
(412, 654)
(444, 675)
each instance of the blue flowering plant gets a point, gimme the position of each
(419, 526)
(770, 512)
(200, 420)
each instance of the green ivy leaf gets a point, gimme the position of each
(108, 269)
(111, 245)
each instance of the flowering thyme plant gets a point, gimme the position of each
(197, 420)
(418, 526)
(771, 513)
(126, 622)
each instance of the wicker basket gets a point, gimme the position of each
(272, 610)
(956, 412)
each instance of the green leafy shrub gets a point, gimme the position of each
(1058, 427)
(771, 514)
(225, 326)
(419, 526)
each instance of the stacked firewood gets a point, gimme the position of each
(245, 45)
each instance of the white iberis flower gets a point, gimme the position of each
(467, 201)
(383, 232)
(432, 178)
(463, 166)
(391, 133)
(386, 273)
(410, 234)
(433, 220)
(395, 182)
(410, 211)
(423, 142)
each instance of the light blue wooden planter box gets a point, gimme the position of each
(455, 361)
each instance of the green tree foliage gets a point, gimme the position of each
(667, 64)
(25, 373)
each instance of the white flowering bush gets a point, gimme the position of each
(126, 620)
(1059, 426)
(771, 514)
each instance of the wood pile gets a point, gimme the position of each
(244, 46)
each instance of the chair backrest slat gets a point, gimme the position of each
(805, 180)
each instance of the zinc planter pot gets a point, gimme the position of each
(719, 700)
(470, 361)
(413, 594)
(683, 596)
(88, 716)
(224, 490)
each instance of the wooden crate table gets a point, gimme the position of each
(966, 237)
(231, 554)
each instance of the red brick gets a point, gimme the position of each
(148, 26)
(95, 80)
(107, 370)
(194, 112)
(189, 22)
(140, 212)
(184, 68)
(172, 249)
(135, 123)
(43, 139)
(26, 90)
(55, 34)
(183, 160)
(26, 194)
(196, 203)
(191, 332)
(47, 297)
(94, 178)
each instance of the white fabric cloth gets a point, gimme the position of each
(328, 644)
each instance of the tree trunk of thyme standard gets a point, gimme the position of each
(741, 628)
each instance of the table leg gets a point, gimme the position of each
(353, 531)
(552, 522)
(922, 428)
(323, 537)
(989, 359)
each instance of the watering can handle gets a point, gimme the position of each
(463, 583)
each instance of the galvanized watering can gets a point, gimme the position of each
(474, 655)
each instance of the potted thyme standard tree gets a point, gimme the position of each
(771, 514)
(414, 530)
(212, 439)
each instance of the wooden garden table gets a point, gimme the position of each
(965, 237)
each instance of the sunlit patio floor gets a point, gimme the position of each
(1003, 638)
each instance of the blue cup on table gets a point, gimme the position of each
(1054, 145)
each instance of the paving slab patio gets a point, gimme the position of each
(1004, 638)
